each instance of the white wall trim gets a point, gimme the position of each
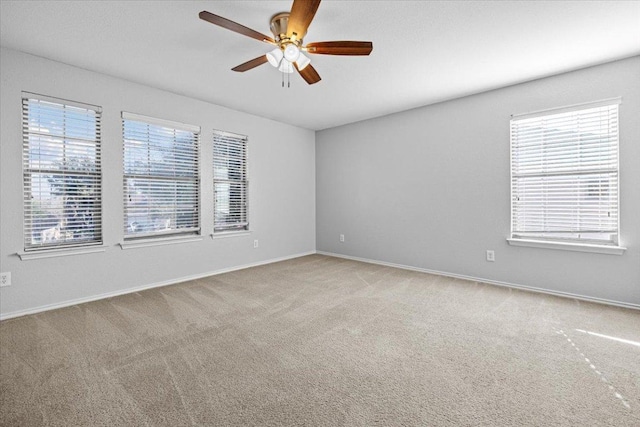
(558, 110)
(19, 313)
(57, 252)
(228, 234)
(565, 246)
(159, 241)
(488, 281)
(160, 122)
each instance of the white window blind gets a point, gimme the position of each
(161, 177)
(62, 173)
(564, 174)
(230, 181)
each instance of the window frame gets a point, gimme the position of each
(245, 227)
(73, 247)
(611, 246)
(174, 235)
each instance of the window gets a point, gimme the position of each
(161, 177)
(564, 174)
(62, 173)
(230, 183)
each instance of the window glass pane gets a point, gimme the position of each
(230, 182)
(564, 170)
(161, 180)
(62, 176)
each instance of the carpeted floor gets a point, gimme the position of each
(328, 342)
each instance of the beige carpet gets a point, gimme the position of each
(323, 341)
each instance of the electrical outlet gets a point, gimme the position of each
(5, 279)
(491, 256)
(255, 243)
(342, 238)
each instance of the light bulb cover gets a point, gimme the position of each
(275, 56)
(302, 61)
(291, 52)
(286, 66)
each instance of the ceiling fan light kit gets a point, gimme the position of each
(291, 52)
(302, 61)
(289, 29)
(286, 67)
(275, 56)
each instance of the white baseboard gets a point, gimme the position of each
(488, 281)
(11, 315)
(69, 303)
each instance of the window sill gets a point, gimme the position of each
(579, 247)
(227, 234)
(158, 241)
(52, 253)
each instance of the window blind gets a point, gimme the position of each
(564, 174)
(161, 177)
(62, 173)
(230, 181)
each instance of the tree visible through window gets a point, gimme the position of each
(564, 174)
(62, 173)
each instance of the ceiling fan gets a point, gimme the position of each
(289, 29)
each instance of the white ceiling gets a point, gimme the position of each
(423, 51)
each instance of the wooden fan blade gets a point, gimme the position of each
(251, 64)
(234, 26)
(340, 48)
(302, 13)
(309, 74)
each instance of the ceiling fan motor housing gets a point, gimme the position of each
(278, 27)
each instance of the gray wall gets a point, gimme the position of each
(281, 174)
(429, 188)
